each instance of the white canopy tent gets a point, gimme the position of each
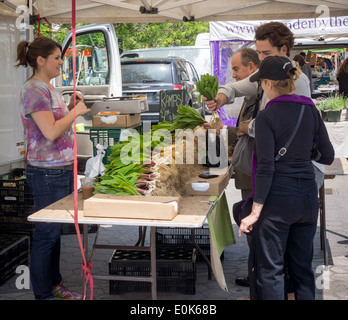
(115, 11)
(317, 28)
(227, 37)
(130, 11)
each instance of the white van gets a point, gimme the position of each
(199, 56)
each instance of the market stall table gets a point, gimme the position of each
(338, 133)
(331, 88)
(338, 167)
(193, 213)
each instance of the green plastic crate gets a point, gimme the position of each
(107, 137)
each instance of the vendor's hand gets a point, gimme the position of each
(243, 128)
(219, 100)
(78, 97)
(81, 109)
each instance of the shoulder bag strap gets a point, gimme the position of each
(257, 101)
(283, 150)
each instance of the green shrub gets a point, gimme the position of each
(336, 102)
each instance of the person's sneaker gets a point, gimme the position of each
(62, 293)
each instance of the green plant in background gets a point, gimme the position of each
(139, 35)
(154, 35)
(337, 102)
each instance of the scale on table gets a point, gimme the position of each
(124, 104)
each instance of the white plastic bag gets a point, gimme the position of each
(95, 166)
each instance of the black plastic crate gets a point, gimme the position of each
(17, 226)
(14, 251)
(16, 199)
(14, 188)
(182, 237)
(17, 210)
(14, 217)
(176, 270)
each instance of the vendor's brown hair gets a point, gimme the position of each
(343, 68)
(285, 86)
(27, 52)
(277, 33)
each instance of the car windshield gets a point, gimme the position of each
(146, 73)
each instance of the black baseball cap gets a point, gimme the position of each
(274, 68)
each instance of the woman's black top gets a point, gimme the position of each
(273, 127)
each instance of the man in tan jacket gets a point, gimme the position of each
(244, 63)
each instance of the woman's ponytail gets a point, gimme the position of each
(22, 50)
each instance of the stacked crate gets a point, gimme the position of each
(181, 237)
(14, 251)
(16, 203)
(176, 270)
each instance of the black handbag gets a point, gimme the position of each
(242, 153)
(242, 209)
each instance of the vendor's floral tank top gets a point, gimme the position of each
(37, 95)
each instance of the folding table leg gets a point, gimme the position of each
(205, 258)
(323, 240)
(153, 263)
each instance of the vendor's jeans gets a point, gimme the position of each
(287, 225)
(48, 186)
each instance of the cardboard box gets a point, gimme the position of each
(211, 187)
(121, 120)
(136, 207)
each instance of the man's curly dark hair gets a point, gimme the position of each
(277, 33)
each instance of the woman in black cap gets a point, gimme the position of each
(285, 209)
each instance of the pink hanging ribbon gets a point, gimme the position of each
(87, 265)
